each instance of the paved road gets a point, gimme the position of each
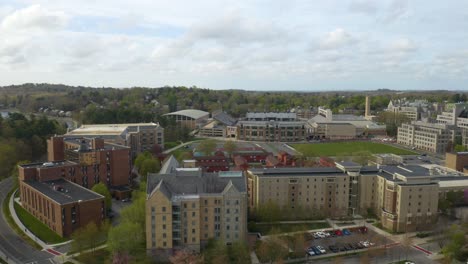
(392, 254)
(12, 245)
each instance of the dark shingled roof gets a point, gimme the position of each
(68, 193)
(225, 118)
(195, 183)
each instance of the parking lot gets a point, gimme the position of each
(340, 241)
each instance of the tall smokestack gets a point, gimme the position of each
(367, 106)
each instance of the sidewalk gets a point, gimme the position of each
(44, 245)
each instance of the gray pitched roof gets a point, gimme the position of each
(169, 165)
(206, 183)
(225, 118)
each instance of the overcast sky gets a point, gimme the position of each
(254, 45)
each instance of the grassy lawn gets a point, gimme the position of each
(276, 228)
(98, 256)
(12, 224)
(37, 227)
(340, 148)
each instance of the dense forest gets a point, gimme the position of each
(24, 139)
(110, 105)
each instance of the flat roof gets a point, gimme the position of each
(292, 172)
(63, 191)
(192, 113)
(48, 164)
(109, 129)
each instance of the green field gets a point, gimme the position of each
(347, 148)
(42, 231)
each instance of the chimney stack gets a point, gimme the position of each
(367, 106)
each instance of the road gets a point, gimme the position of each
(392, 254)
(12, 245)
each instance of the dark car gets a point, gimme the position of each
(363, 229)
(351, 246)
(333, 248)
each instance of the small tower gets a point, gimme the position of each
(368, 113)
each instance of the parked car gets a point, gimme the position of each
(363, 229)
(317, 252)
(310, 252)
(321, 249)
(333, 248)
(338, 232)
(346, 232)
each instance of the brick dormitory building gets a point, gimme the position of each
(57, 191)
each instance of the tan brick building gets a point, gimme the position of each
(456, 161)
(405, 198)
(187, 207)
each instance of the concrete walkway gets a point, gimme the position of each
(25, 230)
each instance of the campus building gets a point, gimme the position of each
(185, 207)
(85, 161)
(457, 161)
(427, 136)
(191, 118)
(220, 125)
(139, 137)
(326, 125)
(61, 205)
(58, 192)
(405, 198)
(271, 127)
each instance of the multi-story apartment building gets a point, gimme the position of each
(139, 137)
(274, 127)
(85, 161)
(427, 136)
(414, 110)
(185, 207)
(404, 197)
(61, 205)
(454, 114)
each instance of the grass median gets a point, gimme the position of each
(39, 229)
(12, 224)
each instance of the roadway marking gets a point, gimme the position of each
(53, 252)
(422, 249)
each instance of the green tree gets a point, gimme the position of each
(85, 238)
(455, 248)
(239, 253)
(127, 237)
(207, 147)
(230, 146)
(102, 190)
(148, 166)
(272, 250)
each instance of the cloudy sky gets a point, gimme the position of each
(239, 44)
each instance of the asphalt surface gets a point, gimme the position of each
(392, 254)
(13, 245)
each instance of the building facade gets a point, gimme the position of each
(85, 162)
(427, 136)
(271, 127)
(139, 137)
(405, 198)
(61, 205)
(187, 207)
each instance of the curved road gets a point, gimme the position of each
(12, 245)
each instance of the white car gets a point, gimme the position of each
(311, 253)
(321, 249)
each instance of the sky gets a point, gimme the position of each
(242, 44)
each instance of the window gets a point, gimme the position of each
(164, 209)
(193, 231)
(153, 209)
(164, 244)
(164, 227)
(164, 235)
(164, 218)
(193, 205)
(193, 214)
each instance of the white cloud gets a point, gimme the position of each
(403, 45)
(336, 39)
(396, 10)
(34, 17)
